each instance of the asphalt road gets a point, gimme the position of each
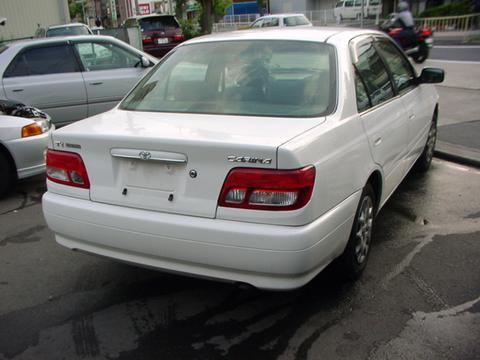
(419, 297)
(455, 52)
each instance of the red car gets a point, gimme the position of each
(160, 33)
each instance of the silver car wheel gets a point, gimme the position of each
(364, 229)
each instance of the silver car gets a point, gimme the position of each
(71, 77)
(24, 134)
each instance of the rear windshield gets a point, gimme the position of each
(160, 22)
(255, 77)
(68, 30)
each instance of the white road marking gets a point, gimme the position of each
(454, 61)
(456, 46)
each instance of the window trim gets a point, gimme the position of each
(39, 46)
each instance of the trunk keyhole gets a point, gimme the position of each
(124, 192)
(170, 197)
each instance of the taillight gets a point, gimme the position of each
(67, 168)
(147, 39)
(178, 38)
(426, 32)
(266, 189)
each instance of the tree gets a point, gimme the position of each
(211, 8)
(180, 6)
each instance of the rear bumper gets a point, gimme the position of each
(159, 50)
(266, 256)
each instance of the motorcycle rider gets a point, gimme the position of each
(405, 19)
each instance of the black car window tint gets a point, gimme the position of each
(42, 61)
(374, 74)
(398, 64)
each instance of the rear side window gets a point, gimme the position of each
(374, 74)
(42, 61)
(254, 77)
(158, 23)
(295, 21)
(349, 3)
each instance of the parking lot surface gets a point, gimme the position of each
(419, 297)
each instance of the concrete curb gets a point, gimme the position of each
(457, 153)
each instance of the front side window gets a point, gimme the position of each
(105, 56)
(257, 24)
(255, 77)
(42, 61)
(270, 22)
(349, 3)
(339, 4)
(398, 64)
(373, 73)
(363, 102)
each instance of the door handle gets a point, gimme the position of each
(411, 116)
(97, 83)
(17, 90)
(377, 141)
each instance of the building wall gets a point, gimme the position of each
(287, 6)
(24, 16)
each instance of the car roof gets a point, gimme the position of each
(281, 15)
(55, 39)
(66, 25)
(316, 34)
(139, 17)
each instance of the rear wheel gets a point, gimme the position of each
(422, 54)
(424, 161)
(354, 259)
(7, 176)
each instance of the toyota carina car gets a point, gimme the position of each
(255, 156)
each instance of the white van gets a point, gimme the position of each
(351, 9)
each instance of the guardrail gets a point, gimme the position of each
(451, 23)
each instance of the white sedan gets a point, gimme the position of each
(255, 157)
(71, 77)
(24, 133)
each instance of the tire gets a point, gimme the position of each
(355, 256)
(7, 176)
(422, 54)
(425, 160)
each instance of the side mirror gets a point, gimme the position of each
(431, 76)
(145, 62)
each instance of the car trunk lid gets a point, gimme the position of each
(174, 163)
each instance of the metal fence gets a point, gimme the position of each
(451, 23)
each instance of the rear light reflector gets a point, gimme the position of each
(67, 168)
(147, 39)
(266, 189)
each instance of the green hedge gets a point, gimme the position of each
(452, 9)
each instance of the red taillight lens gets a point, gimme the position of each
(426, 32)
(67, 168)
(178, 38)
(147, 39)
(266, 189)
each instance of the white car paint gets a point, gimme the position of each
(68, 96)
(281, 19)
(27, 153)
(195, 236)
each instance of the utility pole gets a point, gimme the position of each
(137, 8)
(361, 15)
